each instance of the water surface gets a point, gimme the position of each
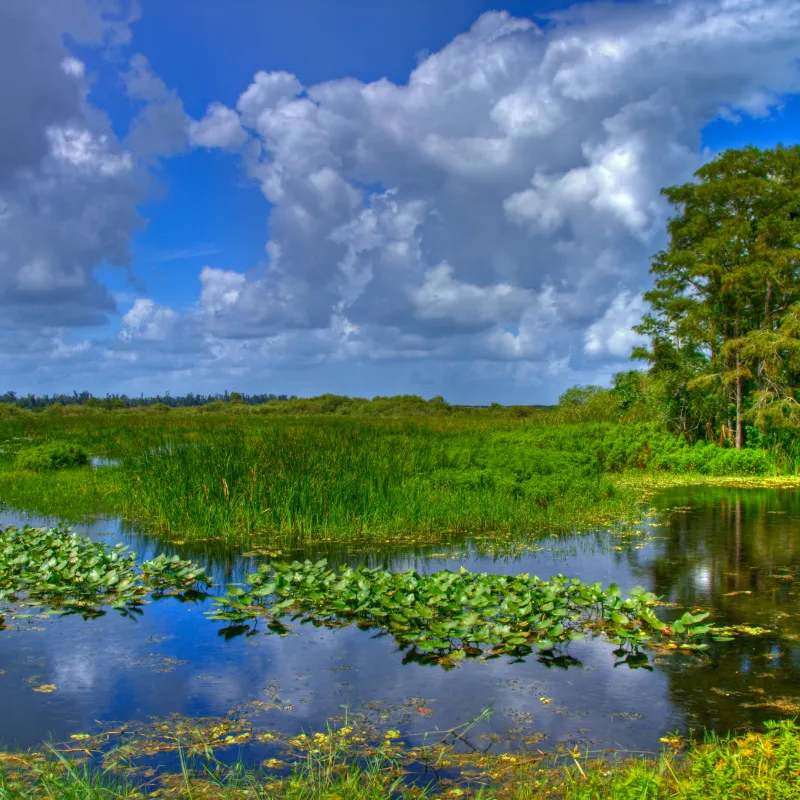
(734, 552)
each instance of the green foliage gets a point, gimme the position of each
(400, 406)
(51, 456)
(10, 411)
(445, 617)
(348, 478)
(212, 407)
(726, 304)
(295, 478)
(713, 460)
(629, 388)
(586, 404)
(752, 765)
(55, 568)
(579, 396)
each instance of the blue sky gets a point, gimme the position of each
(452, 198)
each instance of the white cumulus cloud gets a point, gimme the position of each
(499, 207)
(148, 322)
(220, 127)
(503, 204)
(613, 333)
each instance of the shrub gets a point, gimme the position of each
(710, 459)
(51, 456)
(9, 411)
(213, 406)
(738, 462)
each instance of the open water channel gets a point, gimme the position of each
(734, 552)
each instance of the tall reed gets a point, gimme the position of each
(340, 478)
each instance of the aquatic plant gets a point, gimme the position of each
(55, 568)
(447, 616)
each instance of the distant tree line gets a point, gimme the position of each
(112, 401)
(258, 404)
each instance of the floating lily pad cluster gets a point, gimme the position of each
(448, 616)
(56, 568)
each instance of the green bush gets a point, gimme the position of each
(738, 462)
(611, 447)
(212, 407)
(10, 411)
(51, 456)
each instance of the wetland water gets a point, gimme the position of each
(735, 552)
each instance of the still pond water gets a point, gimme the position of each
(733, 552)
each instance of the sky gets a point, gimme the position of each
(365, 197)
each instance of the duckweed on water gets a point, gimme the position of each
(54, 567)
(445, 617)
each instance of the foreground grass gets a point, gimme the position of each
(762, 766)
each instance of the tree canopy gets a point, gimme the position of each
(725, 308)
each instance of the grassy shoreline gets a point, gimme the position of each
(335, 766)
(668, 480)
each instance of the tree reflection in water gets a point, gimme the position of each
(737, 554)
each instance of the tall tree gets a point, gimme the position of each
(726, 290)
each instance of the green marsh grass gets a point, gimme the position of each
(342, 479)
(246, 477)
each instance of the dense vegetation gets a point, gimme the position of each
(116, 401)
(238, 474)
(724, 348)
(80, 402)
(254, 472)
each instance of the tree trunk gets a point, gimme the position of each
(767, 326)
(739, 420)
